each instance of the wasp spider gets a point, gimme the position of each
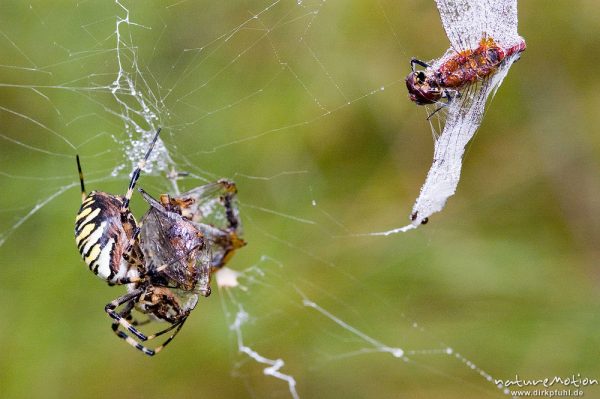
(165, 261)
(108, 238)
(106, 233)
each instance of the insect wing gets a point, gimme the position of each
(501, 21)
(467, 21)
(213, 209)
(464, 117)
(222, 243)
(464, 22)
(214, 204)
(170, 241)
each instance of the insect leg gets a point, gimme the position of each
(232, 217)
(230, 240)
(414, 61)
(162, 267)
(450, 95)
(436, 110)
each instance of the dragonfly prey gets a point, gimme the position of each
(462, 69)
(484, 44)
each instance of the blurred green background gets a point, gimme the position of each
(290, 105)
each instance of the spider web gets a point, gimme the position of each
(253, 93)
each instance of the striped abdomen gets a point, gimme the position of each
(471, 65)
(101, 237)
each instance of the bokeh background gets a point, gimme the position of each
(305, 108)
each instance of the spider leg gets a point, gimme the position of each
(131, 243)
(136, 173)
(121, 319)
(83, 195)
(126, 313)
(136, 263)
(132, 253)
(179, 325)
(151, 352)
(135, 322)
(131, 246)
(132, 341)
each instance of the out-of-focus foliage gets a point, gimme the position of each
(507, 274)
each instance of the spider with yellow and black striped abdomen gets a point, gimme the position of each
(109, 240)
(166, 260)
(106, 232)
